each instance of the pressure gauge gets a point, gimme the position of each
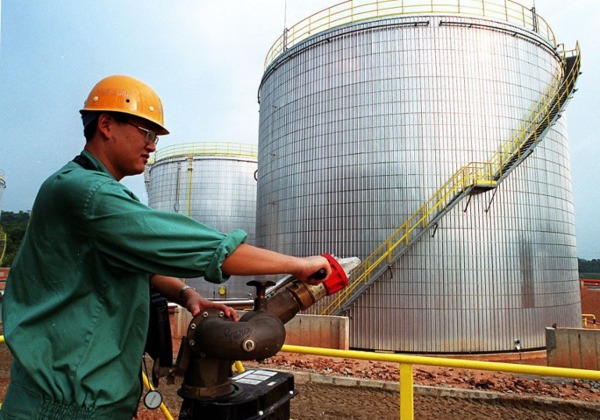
(153, 399)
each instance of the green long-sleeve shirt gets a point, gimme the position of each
(75, 312)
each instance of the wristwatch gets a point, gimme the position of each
(182, 291)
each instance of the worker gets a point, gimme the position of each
(77, 297)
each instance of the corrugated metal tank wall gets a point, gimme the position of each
(214, 183)
(361, 124)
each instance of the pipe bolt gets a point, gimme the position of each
(248, 345)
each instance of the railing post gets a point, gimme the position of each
(407, 411)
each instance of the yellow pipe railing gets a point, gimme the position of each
(188, 211)
(355, 11)
(239, 150)
(585, 319)
(406, 363)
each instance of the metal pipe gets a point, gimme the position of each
(257, 336)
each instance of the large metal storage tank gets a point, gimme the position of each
(214, 183)
(365, 111)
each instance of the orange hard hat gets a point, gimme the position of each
(127, 95)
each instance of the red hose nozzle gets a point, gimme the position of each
(338, 278)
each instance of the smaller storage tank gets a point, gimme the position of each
(214, 183)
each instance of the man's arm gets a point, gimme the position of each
(248, 260)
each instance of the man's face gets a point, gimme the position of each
(128, 147)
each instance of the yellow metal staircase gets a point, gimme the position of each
(473, 178)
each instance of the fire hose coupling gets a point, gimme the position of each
(338, 278)
(257, 336)
(213, 341)
(260, 333)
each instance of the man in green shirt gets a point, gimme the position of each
(76, 307)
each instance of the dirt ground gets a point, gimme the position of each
(499, 395)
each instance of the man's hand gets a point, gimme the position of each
(174, 290)
(310, 268)
(196, 303)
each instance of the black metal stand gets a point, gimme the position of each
(257, 394)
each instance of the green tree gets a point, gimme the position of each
(14, 225)
(588, 267)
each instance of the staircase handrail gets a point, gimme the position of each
(560, 86)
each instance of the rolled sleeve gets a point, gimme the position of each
(214, 274)
(132, 237)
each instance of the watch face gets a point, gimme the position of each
(153, 399)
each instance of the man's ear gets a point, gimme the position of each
(105, 124)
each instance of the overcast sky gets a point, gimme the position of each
(205, 59)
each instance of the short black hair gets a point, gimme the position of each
(90, 121)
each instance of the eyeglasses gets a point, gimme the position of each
(151, 136)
